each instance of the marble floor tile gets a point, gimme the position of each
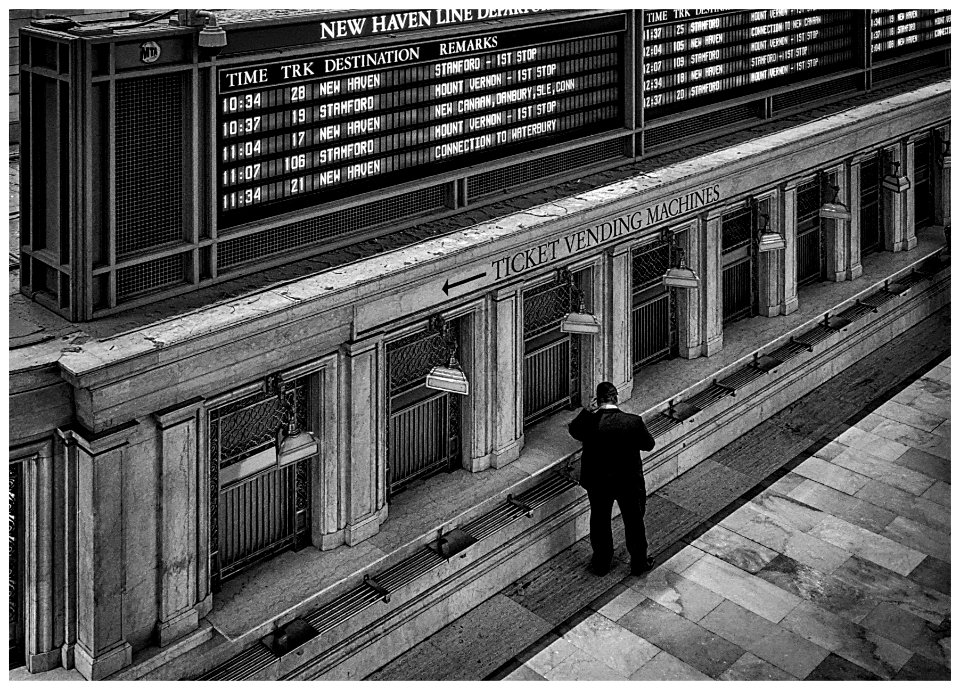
(864, 543)
(916, 508)
(774, 533)
(766, 640)
(920, 537)
(914, 595)
(909, 437)
(684, 639)
(683, 558)
(524, 672)
(620, 604)
(894, 474)
(707, 488)
(552, 654)
(933, 574)
(941, 374)
(830, 450)
(581, 666)
(943, 430)
(837, 668)
(923, 401)
(881, 446)
(789, 511)
(844, 506)
(611, 644)
(849, 640)
(921, 668)
(869, 421)
(833, 594)
(751, 592)
(930, 465)
(911, 632)
(908, 415)
(781, 486)
(832, 475)
(665, 666)
(677, 593)
(734, 548)
(750, 667)
(672, 522)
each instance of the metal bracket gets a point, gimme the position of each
(808, 346)
(377, 587)
(517, 503)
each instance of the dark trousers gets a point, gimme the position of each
(633, 505)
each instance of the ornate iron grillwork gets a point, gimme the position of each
(266, 510)
(247, 426)
(650, 262)
(545, 306)
(424, 426)
(736, 230)
(739, 269)
(15, 571)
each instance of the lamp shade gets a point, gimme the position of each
(296, 447)
(449, 378)
(896, 183)
(681, 277)
(580, 322)
(835, 210)
(771, 242)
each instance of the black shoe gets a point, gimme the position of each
(641, 568)
(599, 569)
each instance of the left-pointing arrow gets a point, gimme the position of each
(447, 285)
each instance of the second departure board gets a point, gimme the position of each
(897, 32)
(695, 57)
(294, 133)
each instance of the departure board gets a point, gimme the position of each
(897, 32)
(294, 133)
(697, 57)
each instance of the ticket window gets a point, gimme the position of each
(923, 201)
(424, 427)
(810, 249)
(871, 208)
(551, 358)
(739, 265)
(654, 306)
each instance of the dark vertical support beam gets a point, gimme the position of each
(111, 191)
(630, 81)
(641, 120)
(210, 163)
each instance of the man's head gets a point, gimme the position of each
(606, 393)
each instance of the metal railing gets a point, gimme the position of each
(546, 379)
(419, 440)
(651, 329)
(738, 289)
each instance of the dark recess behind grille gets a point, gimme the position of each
(817, 92)
(149, 162)
(907, 68)
(234, 252)
(665, 135)
(503, 179)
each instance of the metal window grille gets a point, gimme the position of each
(801, 98)
(809, 241)
(134, 281)
(551, 359)
(231, 253)
(267, 511)
(149, 162)
(653, 316)
(15, 566)
(425, 426)
(739, 270)
(870, 207)
(668, 135)
(923, 187)
(503, 179)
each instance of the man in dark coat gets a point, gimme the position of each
(611, 470)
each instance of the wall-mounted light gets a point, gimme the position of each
(678, 276)
(451, 377)
(894, 181)
(580, 321)
(293, 443)
(834, 208)
(212, 38)
(769, 241)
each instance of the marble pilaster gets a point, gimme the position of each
(770, 264)
(506, 383)
(834, 230)
(619, 319)
(789, 281)
(690, 302)
(711, 284)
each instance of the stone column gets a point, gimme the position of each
(506, 375)
(689, 302)
(184, 582)
(101, 648)
(834, 230)
(854, 253)
(593, 348)
(711, 284)
(898, 230)
(363, 435)
(618, 324)
(770, 264)
(789, 279)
